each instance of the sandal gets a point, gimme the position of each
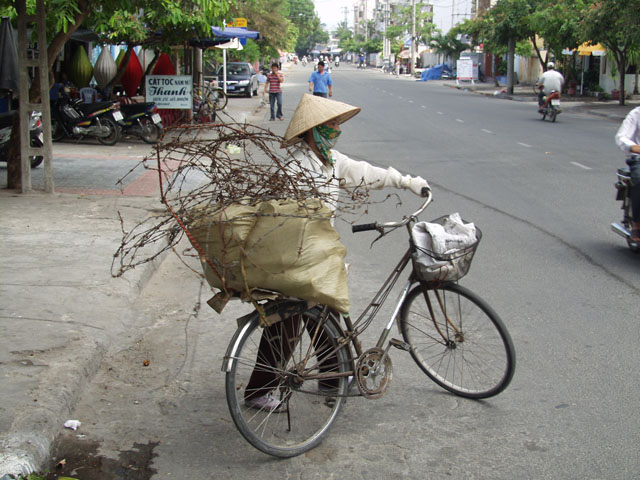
(635, 235)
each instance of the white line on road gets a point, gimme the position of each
(423, 106)
(440, 113)
(459, 120)
(524, 144)
(581, 166)
(487, 131)
(410, 101)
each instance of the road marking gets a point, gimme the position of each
(459, 120)
(524, 144)
(440, 113)
(410, 101)
(581, 166)
(487, 131)
(400, 97)
(423, 106)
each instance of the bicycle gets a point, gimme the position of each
(207, 99)
(452, 334)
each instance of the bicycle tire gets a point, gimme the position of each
(308, 413)
(471, 354)
(220, 99)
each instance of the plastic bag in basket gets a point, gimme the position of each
(444, 248)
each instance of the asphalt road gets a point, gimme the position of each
(565, 285)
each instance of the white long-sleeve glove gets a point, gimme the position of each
(415, 184)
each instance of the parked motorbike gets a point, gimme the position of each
(73, 118)
(141, 120)
(623, 188)
(551, 106)
(35, 134)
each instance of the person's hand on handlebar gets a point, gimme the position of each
(417, 186)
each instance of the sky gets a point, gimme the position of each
(331, 12)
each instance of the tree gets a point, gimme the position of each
(272, 18)
(310, 32)
(616, 25)
(449, 45)
(135, 22)
(502, 27)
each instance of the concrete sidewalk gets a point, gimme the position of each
(609, 109)
(62, 311)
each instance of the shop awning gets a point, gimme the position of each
(234, 32)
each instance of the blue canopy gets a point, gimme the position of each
(234, 32)
(434, 73)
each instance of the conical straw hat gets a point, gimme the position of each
(313, 111)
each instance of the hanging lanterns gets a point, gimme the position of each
(132, 75)
(105, 68)
(80, 69)
(164, 66)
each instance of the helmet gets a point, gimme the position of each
(551, 65)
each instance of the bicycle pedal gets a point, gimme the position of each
(400, 344)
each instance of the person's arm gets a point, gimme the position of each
(628, 133)
(266, 85)
(353, 173)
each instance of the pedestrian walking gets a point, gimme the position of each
(320, 83)
(274, 80)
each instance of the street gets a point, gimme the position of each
(565, 285)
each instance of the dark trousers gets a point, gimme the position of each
(634, 166)
(321, 94)
(276, 346)
(273, 98)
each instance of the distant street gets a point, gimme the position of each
(564, 284)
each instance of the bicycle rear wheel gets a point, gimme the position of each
(458, 340)
(288, 357)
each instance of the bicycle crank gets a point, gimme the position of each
(373, 373)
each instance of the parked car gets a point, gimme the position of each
(241, 78)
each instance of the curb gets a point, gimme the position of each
(34, 429)
(27, 445)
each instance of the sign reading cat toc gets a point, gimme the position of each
(170, 91)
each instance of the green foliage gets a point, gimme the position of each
(449, 45)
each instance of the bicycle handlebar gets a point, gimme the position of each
(381, 227)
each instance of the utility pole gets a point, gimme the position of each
(413, 38)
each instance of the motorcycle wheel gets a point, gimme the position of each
(150, 132)
(57, 131)
(553, 114)
(114, 132)
(36, 161)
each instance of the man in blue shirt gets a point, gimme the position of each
(320, 82)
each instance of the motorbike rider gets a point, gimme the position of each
(550, 81)
(628, 139)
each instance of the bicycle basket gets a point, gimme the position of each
(444, 248)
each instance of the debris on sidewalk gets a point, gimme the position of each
(72, 424)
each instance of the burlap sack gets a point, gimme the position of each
(276, 245)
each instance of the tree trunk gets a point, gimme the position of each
(511, 53)
(621, 61)
(14, 166)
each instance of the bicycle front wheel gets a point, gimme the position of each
(458, 340)
(219, 99)
(297, 370)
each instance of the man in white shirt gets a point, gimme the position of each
(550, 81)
(628, 139)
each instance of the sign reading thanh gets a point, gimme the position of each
(170, 91)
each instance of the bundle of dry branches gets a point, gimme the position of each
(210, 167)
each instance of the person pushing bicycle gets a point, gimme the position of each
(315, 125)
